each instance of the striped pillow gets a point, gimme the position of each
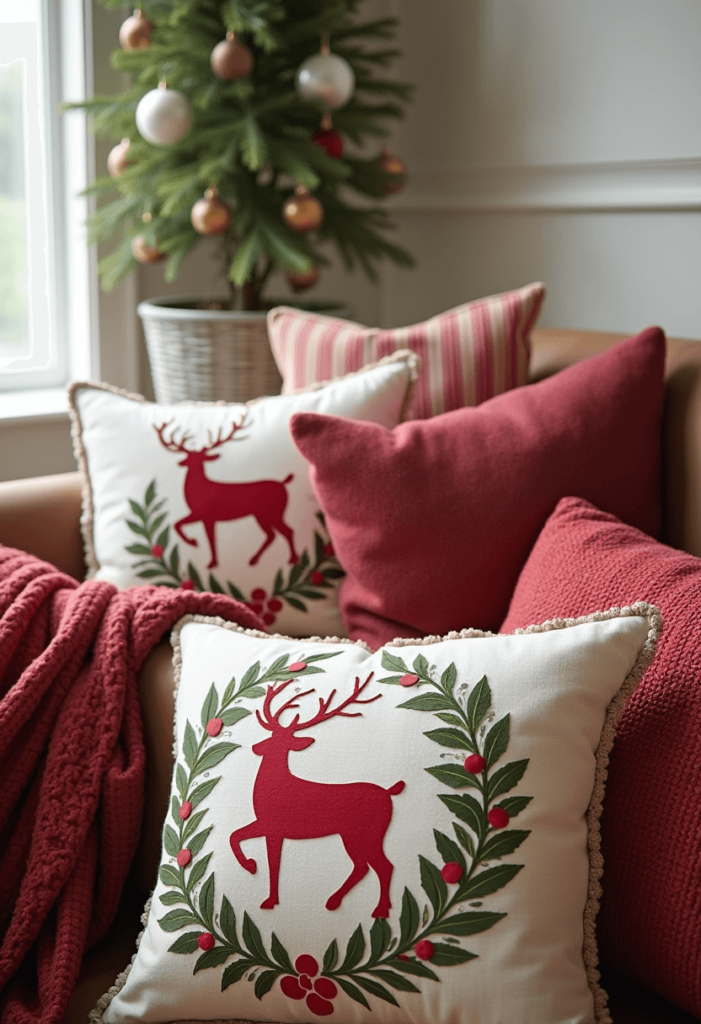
(468, 354)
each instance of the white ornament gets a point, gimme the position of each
(163, 116)
(326, 77)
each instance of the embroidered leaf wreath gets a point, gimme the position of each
(382, 962)
(308, 579)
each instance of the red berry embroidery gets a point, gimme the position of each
(206, 941)
(297, 666)
(274, 604)
(321, 1007)
(474, 764)
(328, 550)
(258, 594)
(317, 578)
(451, 872)
(403, 956)
(157, 551)
(268, 619)
(214, 726)
(187, 585)
(305, 982)
(184, 857)
(185, 810)
(256, 607)
(425, 949)
(409, 680)
(326, 988)
(291, 987)
(306, 964)
(498, 818)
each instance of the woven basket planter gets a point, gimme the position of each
(207, 355)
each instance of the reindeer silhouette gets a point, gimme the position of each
(211, 501)
(288, 807)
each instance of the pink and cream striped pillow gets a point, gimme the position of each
(468, 354)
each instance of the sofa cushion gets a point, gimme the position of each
(289, 775)
(467, 354)
(217, 497)
(650, 924)
(433, 521)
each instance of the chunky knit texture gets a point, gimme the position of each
(71, 765)
(650, 920)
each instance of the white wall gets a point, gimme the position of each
(554, 140)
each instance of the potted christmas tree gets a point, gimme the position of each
(227, 131)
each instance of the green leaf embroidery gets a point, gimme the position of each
(212, 958)
(453, 775)
(212, 757)
(433, 885)
(428, 702)
(470, 923)
(449, 850)
(489, 881)
(478, 704)
(330, 957)
(375, 989)
(352, 991)
(505, 778)
(453, 738)
(393, 663)
(395, 980)
(203, 790)
(177, 919)
(355, 950)
(186, 943)
(513, 805)
(280, 954)
(503, 842)
(234, 972)
(171, 841)
(409, 918)
(207, 900)
(227, 920)
(449, 956)
(209, 708)
(467, 809)
(496, 741)
(189, 746)
(234, 715)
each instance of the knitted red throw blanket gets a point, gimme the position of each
(71, 765)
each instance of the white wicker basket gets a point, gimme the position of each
(207, 355)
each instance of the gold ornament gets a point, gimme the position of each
(135, 33)
(391, 164)
(303, 212)
(211, 215)
(145, 253)
(300, 281)
(117, 160)
(231, 59)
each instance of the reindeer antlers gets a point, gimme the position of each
(179, 446)
(271, 720)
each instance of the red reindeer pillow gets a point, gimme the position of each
(217, 497)
(401, 836)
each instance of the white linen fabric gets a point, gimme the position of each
(476, 762)
(217, 497)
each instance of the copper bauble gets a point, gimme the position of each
(303, 212)
(118, 159)
(301, 281)
(211, 215)
(391, 164)
(145, 253)
(135, 33)
(231, 59)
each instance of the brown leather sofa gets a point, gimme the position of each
(42, 516)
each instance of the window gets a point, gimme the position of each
(46, 294)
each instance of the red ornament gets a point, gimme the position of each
(184, 857)
(274, 604)
(317, 578)
(498, 818)
(185, 810)
(157, 551)
(424, 950)
(214, 726)
(299, 282)
(474, 764)
(451, 872)
(297, 666)
(206, 941)
(329, 140)
(258, 594)
(187, 585)
(409, 679)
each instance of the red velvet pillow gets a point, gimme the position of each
(434, 520)
(649, 925)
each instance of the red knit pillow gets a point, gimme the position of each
(433, 520)
(650, 920)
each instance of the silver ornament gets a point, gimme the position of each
(163, 116)
(326, 77)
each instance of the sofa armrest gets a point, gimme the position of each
(41, 515)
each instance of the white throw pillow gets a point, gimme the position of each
(217, 497)
(413, 833)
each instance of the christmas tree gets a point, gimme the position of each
(241, 140)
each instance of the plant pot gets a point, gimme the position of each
(201, 353)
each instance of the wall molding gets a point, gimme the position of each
(649, 186)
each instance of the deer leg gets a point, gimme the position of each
(274, 845)
(251, 831)
(184, 522)
(289, 536)
(269, 538)
(360, 870)
(210, 527)
(383, 868)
